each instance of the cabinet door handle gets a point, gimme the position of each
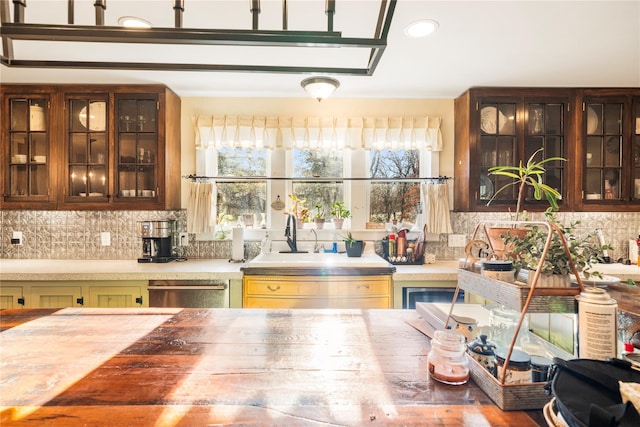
(363, 286)
(139, 300)
(21, 300)
(272, 289)
(80, 301)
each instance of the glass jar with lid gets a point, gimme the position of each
(518, 369)
(447, 360)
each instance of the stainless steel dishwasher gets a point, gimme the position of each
(189, 293)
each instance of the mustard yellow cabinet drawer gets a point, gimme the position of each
(361, 287)
(275, 288)
(317, 292)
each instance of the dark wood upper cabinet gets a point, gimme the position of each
(504, 127)
(90, 147)
(597, 131)
(607, 151)
(27, 155)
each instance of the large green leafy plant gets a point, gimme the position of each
(528, 175)
(527, 251)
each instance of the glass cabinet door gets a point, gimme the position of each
(636, 149)
(87, 149)
(511, 132)
(137, 146)
(546, 129)
(603, 130)
(498, 146)
(28, 148)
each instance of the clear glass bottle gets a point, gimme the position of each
(447, 360)
(265, 245)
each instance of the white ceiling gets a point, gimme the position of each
(479, 43)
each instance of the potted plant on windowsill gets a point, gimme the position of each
(529, 175)
(353, 246)
(299, 210)
(319, 217)
(340, 213)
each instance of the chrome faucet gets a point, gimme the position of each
(317, 248)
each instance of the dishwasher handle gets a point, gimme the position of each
(219, 287)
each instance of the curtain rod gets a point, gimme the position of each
(309, 179)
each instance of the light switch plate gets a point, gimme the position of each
(457, 240)
(105, 238)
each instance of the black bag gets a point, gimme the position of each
(587, 392)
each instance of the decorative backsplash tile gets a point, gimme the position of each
(76, 234)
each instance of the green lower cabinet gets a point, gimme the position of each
(117, 296)
(11, 297)
(54, 296)
(75, 293)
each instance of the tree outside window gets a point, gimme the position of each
(318, 164)
(237, 198)
(393, 199)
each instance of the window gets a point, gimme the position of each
(242, 198)
(318, 164)
(393, 196)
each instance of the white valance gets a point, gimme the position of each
(398, 132)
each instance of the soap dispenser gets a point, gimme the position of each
(265, 245)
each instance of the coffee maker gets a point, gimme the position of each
(157, 240)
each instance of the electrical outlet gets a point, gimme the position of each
(432, 237)
(17, 238)
(183, 240)
(105, 238)
(457, 240)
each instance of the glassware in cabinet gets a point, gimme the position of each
(603, 158)
(137, 146)
(87, 148)
(546, 129)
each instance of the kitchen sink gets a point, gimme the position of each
(300, 259)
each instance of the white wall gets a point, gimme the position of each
(192, 106)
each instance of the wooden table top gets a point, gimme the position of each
(196, 367)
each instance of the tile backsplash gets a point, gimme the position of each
(76, 234)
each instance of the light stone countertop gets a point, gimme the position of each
(53, 270)
(194, 269)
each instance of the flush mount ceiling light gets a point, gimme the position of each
(421, 28)
(238, 49)
(133, 22)
(320, 87)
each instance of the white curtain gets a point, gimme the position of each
(435, 196)
(325, 133)
(201, 211)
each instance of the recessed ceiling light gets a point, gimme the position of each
(421, 28)
(133, 22)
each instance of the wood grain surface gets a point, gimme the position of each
(196, 367)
